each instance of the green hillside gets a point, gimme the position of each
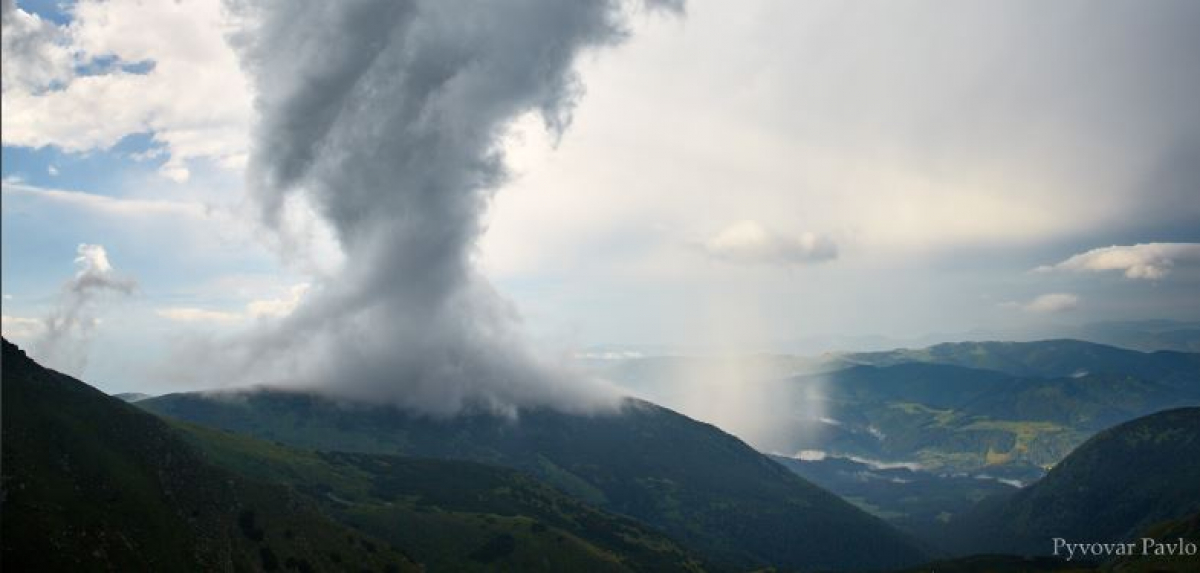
(703, 487)
(452, 515)
(1165, 533)
(1117, 484)
(93, 484)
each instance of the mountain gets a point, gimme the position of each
(703, 487)
(1147, 335)
(97, 484)
(935, 385)
(1005, 409)
(451, 515)
(1089, 402)
(1165, 533)
(1118, 483)
(1047, 359)
(940, 408)
(91, 483)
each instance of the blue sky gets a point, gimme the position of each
(740, 177)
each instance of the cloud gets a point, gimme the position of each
(255, 309)
(20, 327)
(67, 330)
(106, 204)
(278, 307)
(34, 53)
(1047, 303)
(387, 119)
(192, 314)
(96, 273)
(881, 125)
(122, 67)
(1149, 261)
(747, 242)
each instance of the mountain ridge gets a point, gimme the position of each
(699, 484)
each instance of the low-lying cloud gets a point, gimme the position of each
(748, 242)
(1150, 261)
(1048, 303)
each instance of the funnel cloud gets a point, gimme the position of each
(386, 119)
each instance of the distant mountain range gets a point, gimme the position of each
(1143, 335)
(1002, 408)
(1045, 358)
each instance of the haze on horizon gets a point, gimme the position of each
(720, 176)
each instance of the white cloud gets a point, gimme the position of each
(1048, 303)
(190, 314)
(106, 204)
(255, 309)
(806, 123)
(34, 54)
(93, 261)
(20, 327)
(1142, 261)
(278, 307)
(748, 242)
(193, 97)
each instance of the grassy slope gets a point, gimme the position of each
(1166, 532)
(453, 515)
(91, 483)
(700, 485)
(1116, 484)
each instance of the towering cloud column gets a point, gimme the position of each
(387, 118)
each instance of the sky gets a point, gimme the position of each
(739, 176)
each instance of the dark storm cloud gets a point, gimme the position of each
(387, 118)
